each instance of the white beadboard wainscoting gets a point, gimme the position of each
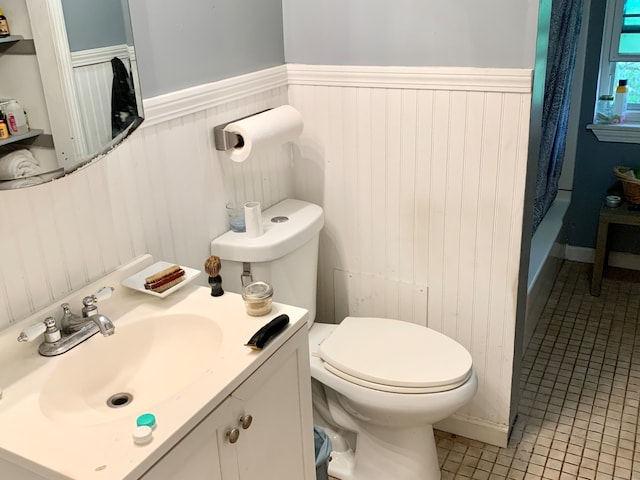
(93, 79)
(163, 191)
(421, 172)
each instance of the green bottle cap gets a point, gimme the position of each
(146, 420)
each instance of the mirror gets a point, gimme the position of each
(100, 43)
(86, 58)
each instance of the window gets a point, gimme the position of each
(620, 57)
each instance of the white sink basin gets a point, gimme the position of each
(150, 360)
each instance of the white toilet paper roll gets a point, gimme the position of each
(270, 128)
(253, 219)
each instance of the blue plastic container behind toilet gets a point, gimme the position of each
(323, 450)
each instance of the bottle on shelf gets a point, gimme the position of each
(620, 104)
(4, 25)
(4, 130)
(16, 119)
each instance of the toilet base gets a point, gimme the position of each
(388, 435)
(386, 453)
(341, 465)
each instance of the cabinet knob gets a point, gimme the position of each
(233, 435)
(245, 421)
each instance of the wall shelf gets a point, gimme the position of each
(11, 39)
(17, 45)
(33, 133)
(10, 45)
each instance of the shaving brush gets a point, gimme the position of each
(213, 266)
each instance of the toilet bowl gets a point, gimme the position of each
(391, 424)
(379, 384)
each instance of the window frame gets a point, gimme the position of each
(613, 29)
(610, 56)
(629, 131)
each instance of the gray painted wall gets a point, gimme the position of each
(491, 33)
(93, 25)
(595, 160)
(127, 21)
(208, 40)
(201, 41)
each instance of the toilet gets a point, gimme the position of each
(378, 384)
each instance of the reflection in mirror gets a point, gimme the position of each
(100, 43)
(86, 58)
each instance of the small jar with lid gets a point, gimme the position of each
(604, 109)
(257, 298)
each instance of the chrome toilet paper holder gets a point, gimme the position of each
(225, 140)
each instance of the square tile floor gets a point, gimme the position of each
(580, 391)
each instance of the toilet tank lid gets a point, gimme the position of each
(305, 220)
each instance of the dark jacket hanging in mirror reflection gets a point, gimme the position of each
(124, 109)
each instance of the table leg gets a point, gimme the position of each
(601, 257)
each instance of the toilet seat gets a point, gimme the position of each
(395, 356)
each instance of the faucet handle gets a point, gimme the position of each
(32, 332)
(103, 293)
(48, 327)
(90, 301)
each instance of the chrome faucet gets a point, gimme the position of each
(74, 329)
(70, 322)
(104, 325)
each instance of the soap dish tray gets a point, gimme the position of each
(136, 282)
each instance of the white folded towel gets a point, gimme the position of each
(19, 164)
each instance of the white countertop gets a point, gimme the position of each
(32, 439)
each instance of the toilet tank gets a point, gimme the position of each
(286, 255)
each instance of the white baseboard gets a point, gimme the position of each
(580, 254)
(616, 259)
(475, 429)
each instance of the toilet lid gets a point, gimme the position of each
(395, 356)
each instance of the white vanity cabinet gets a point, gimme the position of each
(263, 430)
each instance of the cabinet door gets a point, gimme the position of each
(278, 445)
(278, 442)
(203, 454)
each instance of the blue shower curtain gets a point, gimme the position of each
(566, 17)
